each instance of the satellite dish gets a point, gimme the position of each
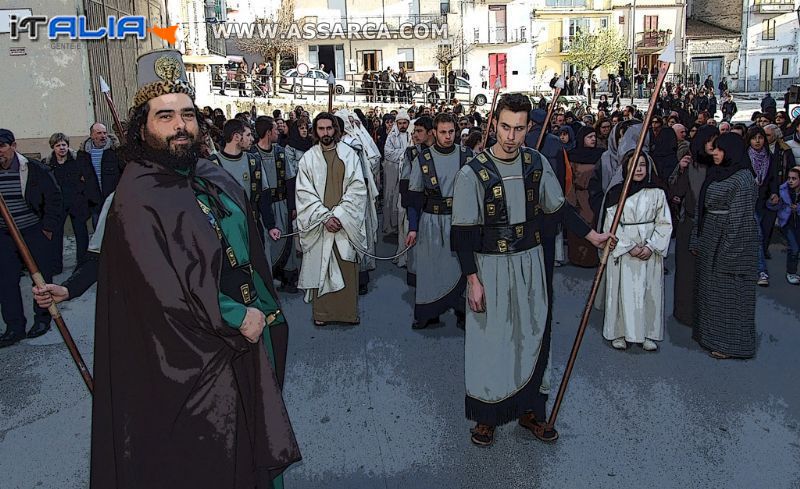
(302, 69)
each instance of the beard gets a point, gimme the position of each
(181, 157)
(326, 140)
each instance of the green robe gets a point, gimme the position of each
(234, 227)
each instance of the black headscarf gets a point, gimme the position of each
(736, 159)
(296, 141)
(582, 154)
(651, 180)
(698, 145)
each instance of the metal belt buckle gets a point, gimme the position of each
(502, 245)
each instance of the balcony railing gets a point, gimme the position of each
(653, 39)
(500, 35)
(215, 46)
(774, 6)
(564, 43)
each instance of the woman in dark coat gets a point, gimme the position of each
(725, 242)
(582, 161)
(684, 190)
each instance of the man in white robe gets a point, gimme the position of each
(350, 137)
(331, 197)
(393, 153)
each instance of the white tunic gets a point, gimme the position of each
(634, 296)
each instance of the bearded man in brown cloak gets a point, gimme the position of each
(190, 344)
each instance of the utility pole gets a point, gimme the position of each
(633, 47)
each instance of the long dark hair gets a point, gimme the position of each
(337, 135)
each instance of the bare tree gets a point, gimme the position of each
(446, 53)
(273, 47)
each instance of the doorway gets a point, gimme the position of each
(497, 68)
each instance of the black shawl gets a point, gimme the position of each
(581, 153)
(736, 159)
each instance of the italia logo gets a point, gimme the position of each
(77, 28)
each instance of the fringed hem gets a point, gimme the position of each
(509, 409)
(453, 300)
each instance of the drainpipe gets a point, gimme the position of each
(746, 40)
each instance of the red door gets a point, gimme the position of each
(497, 67)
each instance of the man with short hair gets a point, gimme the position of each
(279, 182)
(724, 127)
(100, 151)
(331, 198)
(440, 285)
(190, 342)
(782, 156)
(422, 136)
(34, 200)
(499, 199)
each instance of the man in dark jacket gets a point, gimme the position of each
(768, 105)
(79, 192)
(34, 201)
(100, 150)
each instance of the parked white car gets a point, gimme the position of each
(313, 80)
(474, 94)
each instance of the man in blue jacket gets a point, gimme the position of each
(34, 201)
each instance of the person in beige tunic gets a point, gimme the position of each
(331, 196)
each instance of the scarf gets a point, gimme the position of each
(296, 141)
(735, 159)
(650, 181)
(761, 162)
(583, 154)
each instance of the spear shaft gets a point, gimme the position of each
(38, 279)
(663, 68)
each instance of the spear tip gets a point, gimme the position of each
(668, 55)
(104, 86)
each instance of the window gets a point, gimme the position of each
(604, 23)
(406, 58)
(621, 20)
(444, 7)
(768, 30)
(765, 75)
(785, 67)
(650, 23)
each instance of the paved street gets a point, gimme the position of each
(381, 406)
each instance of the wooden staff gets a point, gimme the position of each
(485, 137)
(550, 110)
(665, 60)
(36, 275)
(107, 92)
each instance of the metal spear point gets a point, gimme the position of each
(497, 86)
(107, 92)
(38, 279)
(560, 84)
(665, 60)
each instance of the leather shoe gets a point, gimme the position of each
(9, 338)
(38, 329)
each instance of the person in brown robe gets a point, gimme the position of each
(684, 189)
(582, 160)
(182, 398)
(331, 197)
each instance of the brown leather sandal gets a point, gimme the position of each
(482, 435)
(539, 429)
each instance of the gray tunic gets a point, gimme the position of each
(406, 260)
(281, 211)
(240, 170)
(502, 344)
(438, 270)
